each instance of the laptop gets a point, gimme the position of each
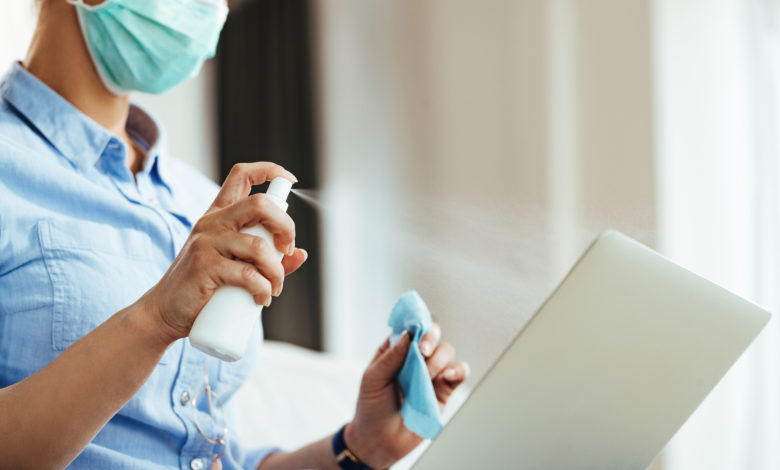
(606, 371)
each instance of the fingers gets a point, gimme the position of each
(385, 368)
(259, 209)
(430, 340)
(237, 211)
(243, 176)
(240, 274)
(256, 251)
(442, 356)
(292, 263)
(456, 374)
(449, 379)
(381, 350)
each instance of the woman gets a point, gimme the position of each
(109, 249)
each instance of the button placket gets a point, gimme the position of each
(198, 463)
(190, 382)
(147, 191)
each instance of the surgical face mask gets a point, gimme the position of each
(150, 45)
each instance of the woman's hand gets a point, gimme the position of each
(377, 435)
(217, 254)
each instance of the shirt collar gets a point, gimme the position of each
(143, 127)
(76, 136)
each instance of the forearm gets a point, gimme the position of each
(51, 416)
(315, 455)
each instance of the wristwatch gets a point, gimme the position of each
(344, 457)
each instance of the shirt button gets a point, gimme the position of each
(197, 463)
(185, 398)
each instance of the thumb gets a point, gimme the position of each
(384, 369)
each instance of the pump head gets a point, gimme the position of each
(278, 190)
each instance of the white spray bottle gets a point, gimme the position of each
(223, 327)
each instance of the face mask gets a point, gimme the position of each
(150, 45)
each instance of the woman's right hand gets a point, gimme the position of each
(217, 254)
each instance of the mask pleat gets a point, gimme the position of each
(151, 45)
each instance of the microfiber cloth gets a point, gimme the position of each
(420, 409)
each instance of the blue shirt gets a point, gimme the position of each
(81, 240)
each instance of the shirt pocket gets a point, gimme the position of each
(95, 270)
(25, 286)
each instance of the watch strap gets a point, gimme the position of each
(344, 457)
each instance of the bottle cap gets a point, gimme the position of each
(278, 191)
(279, 188)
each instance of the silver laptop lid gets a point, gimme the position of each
(607, 370)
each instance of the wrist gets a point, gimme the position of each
(368, 450)
(144, 319)
(346, 458)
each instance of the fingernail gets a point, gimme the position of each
(305, 254)
(290, 249)
(450, 374)
(277, 291)
(268, 302)
(425, 348)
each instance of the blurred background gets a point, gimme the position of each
(472, 150)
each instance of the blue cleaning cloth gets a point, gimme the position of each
(420, 409)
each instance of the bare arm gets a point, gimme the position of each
(315, 455)
(47, 419)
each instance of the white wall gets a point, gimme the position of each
(717, 118)
(472, 150)
(16, 26)
(449, 168)
(357, 130)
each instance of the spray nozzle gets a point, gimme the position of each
(279, 189)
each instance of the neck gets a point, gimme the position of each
(58, 56)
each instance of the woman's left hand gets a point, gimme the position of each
(377, 435)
